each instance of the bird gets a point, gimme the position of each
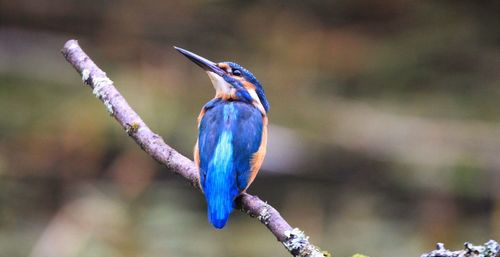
(232, 135)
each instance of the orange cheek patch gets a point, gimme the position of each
(223, 66)
(252, 90)
(247, 84)
(258, 157)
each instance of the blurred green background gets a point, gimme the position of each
(384, 125)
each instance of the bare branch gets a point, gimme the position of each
(294, 240)
(489, 249)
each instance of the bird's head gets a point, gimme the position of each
(231, 80)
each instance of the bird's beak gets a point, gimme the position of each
(205, 64)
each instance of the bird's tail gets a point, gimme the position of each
(220, 184)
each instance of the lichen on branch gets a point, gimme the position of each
(489, 249)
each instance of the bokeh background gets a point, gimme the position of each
(384, 125)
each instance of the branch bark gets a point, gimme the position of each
(294, 240)
(489, 249)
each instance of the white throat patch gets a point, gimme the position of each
(220, 85)
(227, 91)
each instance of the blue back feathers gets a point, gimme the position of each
(230, 132)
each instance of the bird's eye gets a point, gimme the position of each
(236, 72)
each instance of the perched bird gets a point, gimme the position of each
(232, 135)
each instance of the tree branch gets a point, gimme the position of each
(489, 249)
(294, 240)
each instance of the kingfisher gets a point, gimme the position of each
(232, 135)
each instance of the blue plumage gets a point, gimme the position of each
(230, 133)
(252, 79)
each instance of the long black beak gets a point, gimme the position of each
(205, 64)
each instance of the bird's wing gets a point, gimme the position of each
(210, 129)
(246, 125)
(247, 140)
